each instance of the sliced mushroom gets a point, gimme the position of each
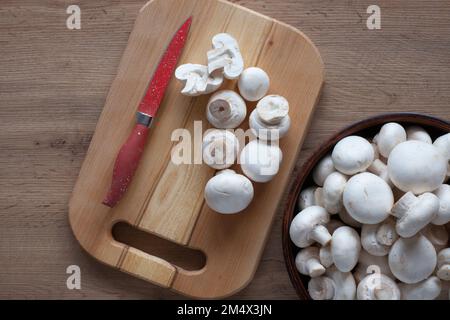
(418, 133)
(412, 259)
(332, 191)
(226, 110)
(260, 161)
(220, 149)
(443, 264)
(390, 135)
(377, 239)
(270, 119)
(428, 289)
(226, 55)
(335, 285)
(377, 286)
(443, 215)
(307, 262)
(253, 84)
(197, 80)
(228, 192)
(368, 198)
(345, 248)
(414, 213)
(416, 166)
(324, 168)
(352, 154)
(308, 226)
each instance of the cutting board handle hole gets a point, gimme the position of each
(178, 255)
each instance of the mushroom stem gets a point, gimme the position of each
(314, 268)
(403, 205)
(220, 109)
(320, 234)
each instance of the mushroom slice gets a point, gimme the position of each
(253, 84)
(220, 149)
(324, 168)
(414, 213)
(416, 166)
(260, 161)
(418, 133)
(376, 239)
(225, 55)
(197, 80)
(443, 215)
(226, 110)
(332, 191)
(308, 227)
(228, 192)
(390, 135)
(428, 289)
(368, 198)
(307, 262)
(377, 286)
(345, 248)
(443, 264)
(270, 119)
(412, 259)
(352, 154)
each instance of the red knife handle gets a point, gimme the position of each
(126, 164)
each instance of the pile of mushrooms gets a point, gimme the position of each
(375, 226)
(229, 192)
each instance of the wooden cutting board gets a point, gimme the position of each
(166, 200)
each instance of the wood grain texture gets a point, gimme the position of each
(54, 82)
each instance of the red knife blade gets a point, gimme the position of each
(130, 154)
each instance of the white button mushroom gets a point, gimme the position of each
(310, 196)
(390, 135)
(197, 80)
(226, 110)
(345, 248)
(352, 154)
(325, 256)
(414, 213)
(412, 259)
(428, 289)
(443, 145)
(368, 264)
(437, 235)
(377, 239)
(260, 161)
(324, 168)
(225, 55)
(335, 285)
(368, 198)
(416, 166)
(332, 190)
(307, 262)
(253, 84)
(443, 215)
(270, 119)
(220, 149)
(443, 264)
(377, 286)
(418, 133)
(308, 227)
(228, 192)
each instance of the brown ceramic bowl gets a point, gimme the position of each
(366, 128)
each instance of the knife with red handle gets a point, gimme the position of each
(129, 155)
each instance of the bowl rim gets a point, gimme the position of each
(319, 153)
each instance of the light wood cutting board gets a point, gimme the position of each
(166, 200)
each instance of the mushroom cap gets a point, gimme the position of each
(443, 264)
(367, 198)
(416, 166)
(323, 169)
(390, 135)
(352, 154)
(272, 109)
(307, 262)
(197, 80)
(220, 149)
(370, 242)
(418, 133)
(368, 263)
(332, 191)
(428, 289)
(345, 248)
(265, 131)
(437, 235)
(321, 288)
(260, 161)
(306, 198)
(443, 145)
(229, 113)
(347, 219)
(412, 259)
(303, 224)
(253, 84)
(228, 192)
(443, 215)
(377, 287)
(227, 55)
(344, 284)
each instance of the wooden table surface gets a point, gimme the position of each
(54, 81)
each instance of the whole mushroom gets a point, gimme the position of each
(324, 168)
(307, 262)
(253, 84)
(390, 135)
(443, 215)
(443, 145)
(418, 133)
(334, 285)
(443, 264)
(368, 264)
(228, 192)
(220, 149)
(332, 191)
(352, 154)
(428, 289)
(377, 287)
(308, 226)
(377, 239)
(345, 248)
(437, 235)
(260, 161)
(226, 110)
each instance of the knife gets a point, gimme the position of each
(129, 155)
